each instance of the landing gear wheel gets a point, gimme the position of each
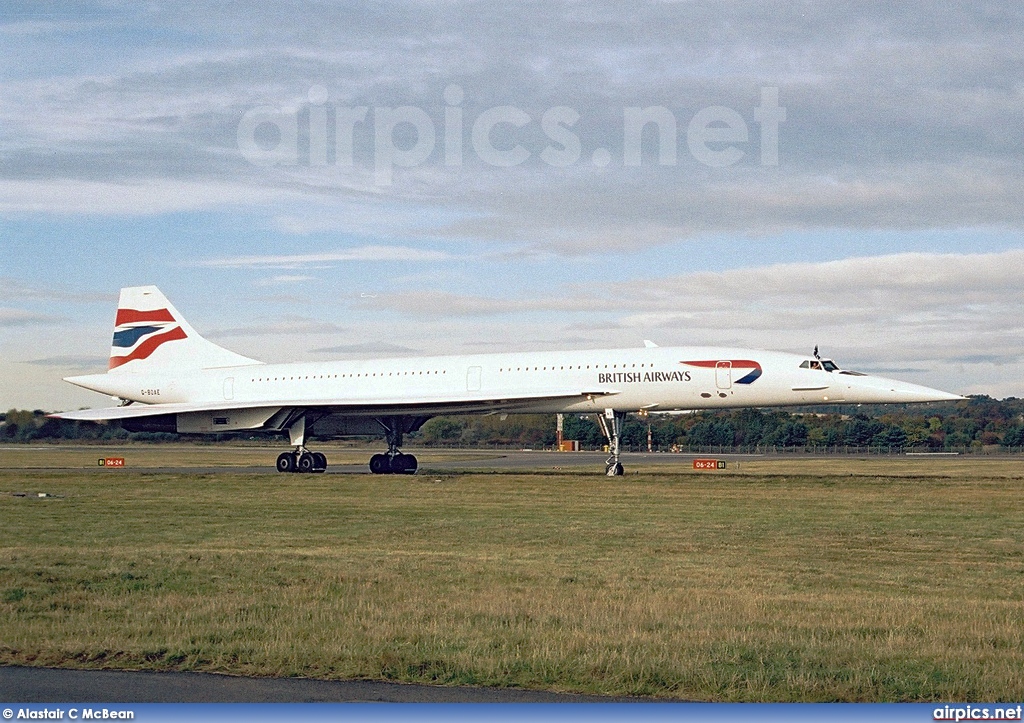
(380, 464)
(614, 469)
(306, 462)
(286, 462)
(393, 461)
(403, 464)
(319, 462)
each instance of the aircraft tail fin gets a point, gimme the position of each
(150, 334)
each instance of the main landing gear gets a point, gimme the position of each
(393, 464)
(393, 461)
(611, 425)
(301, 459)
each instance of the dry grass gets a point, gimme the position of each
(717, 587)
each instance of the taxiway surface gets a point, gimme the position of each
(50, 685)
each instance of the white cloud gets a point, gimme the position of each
(916, 310)
(12, 289)
(925, 288)
(42, 27)
(289, 325)
(29, 386)
(125, 198)
(97, 364)
(370, 347)
(861, 148)
(20, 317)
(294, 261)
(284, 279)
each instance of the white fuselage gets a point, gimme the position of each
(656, 379)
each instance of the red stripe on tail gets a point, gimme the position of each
(130, 316)
(143, 350)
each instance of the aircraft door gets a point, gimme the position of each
(473, 379)
(723, 375)
(229, 388)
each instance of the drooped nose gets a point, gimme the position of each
(893, 391)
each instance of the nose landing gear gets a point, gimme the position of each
(611, 425)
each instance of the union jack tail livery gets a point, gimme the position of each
(150, 334)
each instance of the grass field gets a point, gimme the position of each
(783, 580)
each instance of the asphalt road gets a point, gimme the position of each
(49, 685)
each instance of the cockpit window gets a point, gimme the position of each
(825, 364)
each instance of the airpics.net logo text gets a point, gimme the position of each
(322, 134)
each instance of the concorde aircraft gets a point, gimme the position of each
(170, 379)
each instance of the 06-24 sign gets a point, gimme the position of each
(706, 464)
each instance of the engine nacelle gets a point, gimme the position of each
(160, 423)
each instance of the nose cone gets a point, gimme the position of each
(879, 390)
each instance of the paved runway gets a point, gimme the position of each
(49, 685)
(502, 461)
(438, 461)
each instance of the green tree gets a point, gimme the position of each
(788, 434)
(441, 430)
(892, 436)
(1013, 436)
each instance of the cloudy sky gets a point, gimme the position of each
(315, 180)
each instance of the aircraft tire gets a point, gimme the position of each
(286, 462)
(319, 462)
(306, 463)
(380, 464)
(403, 464)
(615, 470)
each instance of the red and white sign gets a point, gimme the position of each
(112, 462)
(706, 464)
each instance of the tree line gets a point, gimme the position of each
(976, 422)
(973, 423)
(20, 425)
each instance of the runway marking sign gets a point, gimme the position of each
(708, 464)
(111, 462)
